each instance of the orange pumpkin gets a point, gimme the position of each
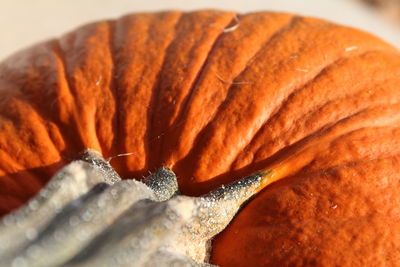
(216, 96)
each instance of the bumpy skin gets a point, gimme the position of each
(216, 96)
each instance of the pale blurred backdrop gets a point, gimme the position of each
(25, 22)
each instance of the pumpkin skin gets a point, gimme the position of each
(316, 102)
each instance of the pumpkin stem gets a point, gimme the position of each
(163, 182)
(217, 208)
(103, 166)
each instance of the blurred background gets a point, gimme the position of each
(25, 22)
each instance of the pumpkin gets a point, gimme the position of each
(216, 96)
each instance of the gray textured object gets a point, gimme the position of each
(88, 216)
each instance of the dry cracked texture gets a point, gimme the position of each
(216, 96)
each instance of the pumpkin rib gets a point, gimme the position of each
(275, 36)
(279, 108)
(59, 54)
(231, 88)
(358, 116)
(44, 133)
(340, 100)
(32, 135)
(155, 97)
(376, 149)
(51, 117)
(218, 128)
(186, 113)
(195, 82)
(361, 109)
(114, 149)
(200, 134)
(258, 147)
(21, 95)
(204, 65)
(35, 178)
(325, 105)
(303, 152)
(88, 59)
(383, 130)
(9, 164)
(315, 110)
(169, 121)
(177, 122)
(141, 41)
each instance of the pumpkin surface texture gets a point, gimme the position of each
(216, 96)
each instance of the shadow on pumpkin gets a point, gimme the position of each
(17, 188)
(198, 188)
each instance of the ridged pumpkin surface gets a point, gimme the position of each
(217, 96)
